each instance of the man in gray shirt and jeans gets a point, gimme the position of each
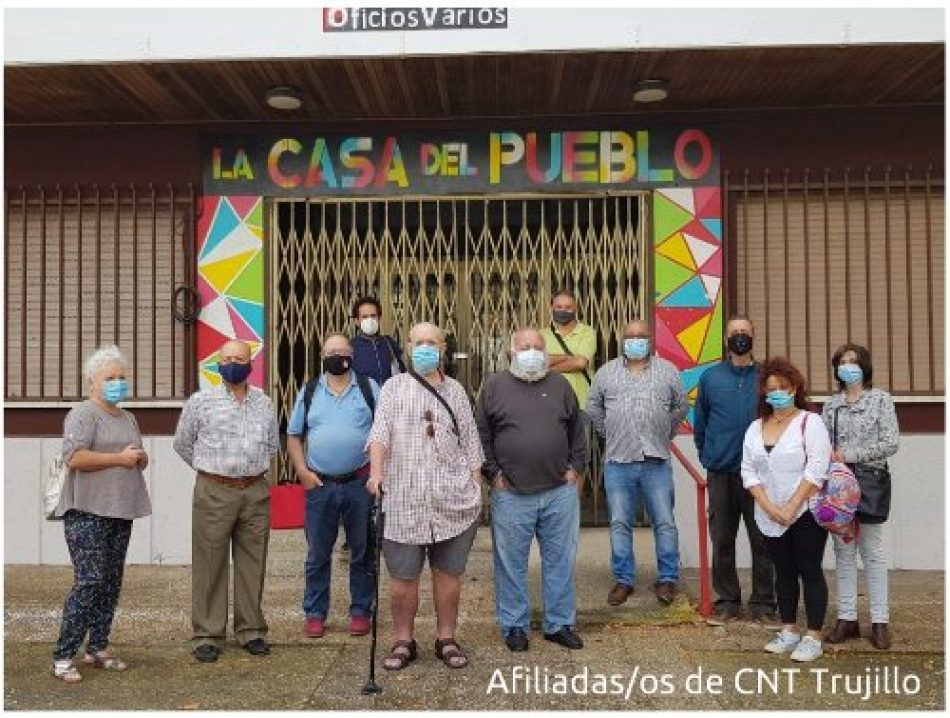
(637, 402)
(535, 443)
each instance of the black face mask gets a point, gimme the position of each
(563, 316)
(337, 365)
(740, 344)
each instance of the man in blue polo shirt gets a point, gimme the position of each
(374, 355)
(334, 472)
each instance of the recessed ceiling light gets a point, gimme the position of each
(651, 91)
(284, 98)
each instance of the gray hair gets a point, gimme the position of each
(101, 359)
(414, 332)
(523, 330)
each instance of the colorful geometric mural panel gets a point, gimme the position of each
(687, 235)
(230, 282)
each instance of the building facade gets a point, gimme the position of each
(793, 173)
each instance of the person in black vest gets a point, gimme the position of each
(334, 415)
(374, 355)
(726, 404)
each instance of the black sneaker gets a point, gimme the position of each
(722, 615)
(565, 637)
(257, 647)
(516, 640)
(765, 617)
(206, 653)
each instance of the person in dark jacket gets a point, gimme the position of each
(726, 405)
(374, 355)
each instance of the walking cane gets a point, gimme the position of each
(377, 523)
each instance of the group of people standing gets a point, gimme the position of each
(767, 455)
(374, 424)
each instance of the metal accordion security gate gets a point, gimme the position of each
(478, 267)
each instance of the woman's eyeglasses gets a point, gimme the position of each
(430, 427)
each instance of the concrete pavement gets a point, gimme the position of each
(640, 656)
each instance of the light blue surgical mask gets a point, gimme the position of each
(425, 358)
(850, 373)
(532, 360)
(636, 348)
(779, 399)
(115, 390)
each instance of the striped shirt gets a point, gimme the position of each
(429, 493)
(867, 430)
(638, 414)
(217, 434)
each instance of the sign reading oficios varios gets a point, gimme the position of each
(365, 19)
(302, 165)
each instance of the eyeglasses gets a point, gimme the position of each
(430, 427)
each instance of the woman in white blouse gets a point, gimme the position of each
(785, 459)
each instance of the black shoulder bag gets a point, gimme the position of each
(442, 401)
(875, 483)
(560, 340)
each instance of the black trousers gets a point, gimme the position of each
(797, 557)
(728, 503)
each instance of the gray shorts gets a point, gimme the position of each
(404, 561)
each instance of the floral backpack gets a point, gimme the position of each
(835, 505)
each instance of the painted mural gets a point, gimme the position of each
(230, 282)
(687, 233)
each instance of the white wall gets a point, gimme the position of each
(162, 538)
(914, 533)
(65, 35)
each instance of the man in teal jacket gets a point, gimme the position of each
(726, 404)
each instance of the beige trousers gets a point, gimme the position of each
(227, 519)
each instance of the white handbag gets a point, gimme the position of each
(56, 473)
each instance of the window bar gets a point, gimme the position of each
(745, 245)
(42, 363)
(787, 280)
(826, 191)
(765, 261)
(79, 293)
(62, 286)
(930, 319)
(115, 263)
(98, 221)
(23, 305)
(887, 276)
(910, 280)
(807, 253)
(847, 257)
(173, 327)
(867, 253)
(152, 320)
(135, 291)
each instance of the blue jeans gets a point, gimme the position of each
(554, 517)
(624, 484)
(325, 506)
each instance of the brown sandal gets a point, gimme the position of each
(404, 658)
(448, 648)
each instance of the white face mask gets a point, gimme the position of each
(529, 365)
(369, 326)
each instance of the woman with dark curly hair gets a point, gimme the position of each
(785, 459)
(867, 433)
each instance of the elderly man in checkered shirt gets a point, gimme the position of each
(426, 455)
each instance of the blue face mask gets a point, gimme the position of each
(115, 390)
(235, 373)
(636, 348)
(779, 399)
(425, 358)
(850, 373)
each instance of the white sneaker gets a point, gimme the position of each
(808, 650)
(784, 642)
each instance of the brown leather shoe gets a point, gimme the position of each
(665, 592)
(880, 636)
(842, 631)
(618, 594)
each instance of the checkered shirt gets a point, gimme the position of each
(217, 434)
(429, 492)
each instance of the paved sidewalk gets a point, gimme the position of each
(660, 648)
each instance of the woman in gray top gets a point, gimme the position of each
(103, 492)
(867, 434)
